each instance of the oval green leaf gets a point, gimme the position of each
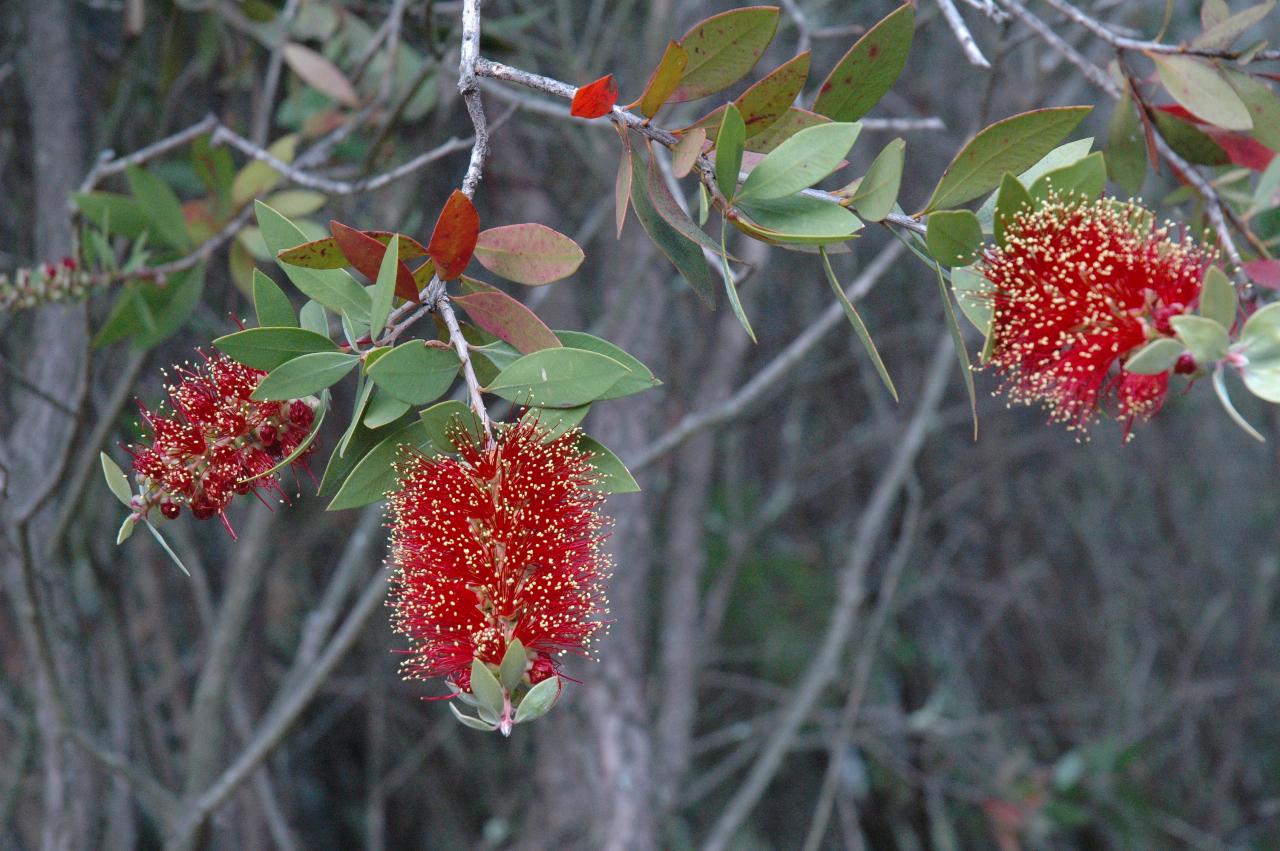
(723, 48)
(268, 348)
(869, 69)
(416, 373)
(800, 162)
(304, 376)
(1155, 357)
(1200, 87)
(558, 378)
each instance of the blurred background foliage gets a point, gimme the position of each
(1055, 645)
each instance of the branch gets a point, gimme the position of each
(1214, 207)
(274, 728)
(804, 696)
(962, 34)
(1124, 43)
(773, 372)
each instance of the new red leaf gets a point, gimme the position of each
(365, 252)
(1264, 273)
(508, 320)
(454, 239)
(595, 99)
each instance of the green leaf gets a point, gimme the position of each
(973, 294)
(1205, 339)
(161, 207)
(1220, 387)
(539, 700)
(384, 409)
(1260, 346)
(340, 465)
(364, 389)
(443, 417)
(172, 305)
(384, 288)
(313, 318)
(500, 354)
(768, 99)
(954, 237)
(126, 529)
(878, 192)
(415, 372)
(792, 122)
(1188, 141)
(486, 688)
(1223, 32)
(297, 202)
(1218, 298)
(514, 663)
(1011, 199)
(613, 475)
(1262, 103)
(1085, 178)
(730, 286)
(684, 254)
(1010, 145)
(1063, 155)
(1126, 147)
(665, 204)
(257, 178)
(799, 219)
(529, 254)
(116, 480)
(723, 48)
(800, 162)
(556, 421)
(1160, 355)
(639, 376)
(729, 142)
(470, 721)
(957, 341)
(333, 288)
(558, 378)
(118, 214)
(271, 304)
(869, 69)
(373, 476)
(304, 376)
(268, 348)
(1200, 87)
(859, 327)
(164, 545)
(664, 79)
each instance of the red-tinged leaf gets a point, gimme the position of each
(767, 100)
(869, 69)
(318, 254)
(1240, 149)
(508, 320)
(792, 122)
(670, 210)
(595, 99)
(723, 48)
(454, 239)
(622, 183)
(663, 80)
(364, 252)
(1264, 273)
(530, 254)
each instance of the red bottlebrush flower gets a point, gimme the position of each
(1078, 286)
(501, 543)
(215, 445)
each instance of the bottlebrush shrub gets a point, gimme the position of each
(1079, 286)
(500, 567)
(218, 443)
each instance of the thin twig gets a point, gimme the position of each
(1124, 43)
(961, 30)
(773, 372)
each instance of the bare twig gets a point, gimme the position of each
(271, 83)
(851, 591)
(970, 47)
(773, 372)
(1124, 43)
